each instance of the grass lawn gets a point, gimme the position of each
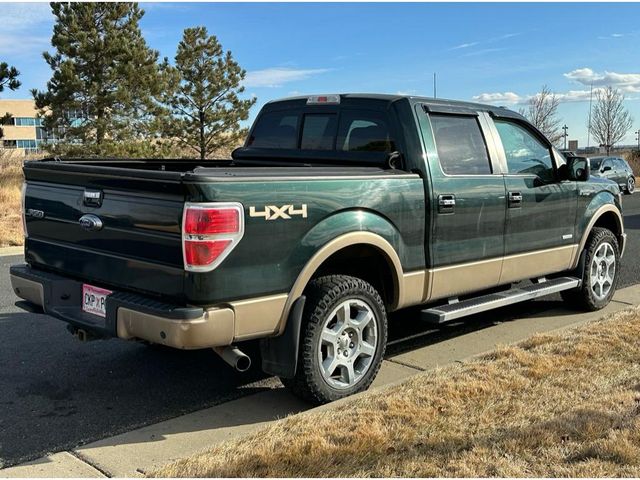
(555, 405)
(10, 207)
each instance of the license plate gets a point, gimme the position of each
(94, 300)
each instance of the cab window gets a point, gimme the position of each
(524, 152)
(318, 131)
(364, 131)
(275, 130)
(460, 145)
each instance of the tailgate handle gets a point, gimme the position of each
(92, 198)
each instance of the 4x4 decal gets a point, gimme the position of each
(272, 212)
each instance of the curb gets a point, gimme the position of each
(7, 251)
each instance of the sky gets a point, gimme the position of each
(500, 53)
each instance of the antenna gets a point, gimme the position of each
(589, 127)
(434, 85)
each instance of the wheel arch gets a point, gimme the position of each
(606, 216)
(366, 247)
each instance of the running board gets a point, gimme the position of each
(452, 311)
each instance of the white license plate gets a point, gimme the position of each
(94, 300)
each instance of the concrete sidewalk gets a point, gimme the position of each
(139, 451)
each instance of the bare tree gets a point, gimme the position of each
(542, 112)
(610, 120)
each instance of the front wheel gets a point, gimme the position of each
(343, 339)
(600, 276)
(631, 185)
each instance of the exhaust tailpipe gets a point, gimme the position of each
(82, 335)
(234, 357)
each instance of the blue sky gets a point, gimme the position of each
(501, 53)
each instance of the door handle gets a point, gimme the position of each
(446, 203)
(515, 199)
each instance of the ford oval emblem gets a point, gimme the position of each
(90, 223)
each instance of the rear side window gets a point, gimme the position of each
(364, 131)
(275, 130)
(318, 131)
(460, 144)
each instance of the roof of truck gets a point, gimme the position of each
(428, 101)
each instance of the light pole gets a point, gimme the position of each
(638, 138)
(565, 128)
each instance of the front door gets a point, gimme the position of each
(541, 208)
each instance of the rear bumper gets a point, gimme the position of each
(128, 315)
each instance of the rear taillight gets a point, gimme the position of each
(23, 201)
(209, 232)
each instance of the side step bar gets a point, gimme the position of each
(452, 311)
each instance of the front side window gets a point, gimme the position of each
(460, 144)
(524, 152)
(275, 130)
(364, 131)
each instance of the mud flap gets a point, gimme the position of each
(280, 354)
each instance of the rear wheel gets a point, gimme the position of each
(631, 185)
(343, 339)
(600, 276)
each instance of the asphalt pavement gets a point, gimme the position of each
(57, 393)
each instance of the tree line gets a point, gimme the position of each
(111, 94)
(609, 119)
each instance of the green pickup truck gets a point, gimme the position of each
(338, 210)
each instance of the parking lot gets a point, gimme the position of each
(59, 393)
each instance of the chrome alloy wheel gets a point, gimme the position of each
(603, 270)
(631, 185)
(348, 344)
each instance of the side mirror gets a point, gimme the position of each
(606, 169)
(579, 168)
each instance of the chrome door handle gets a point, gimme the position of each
(446, 203)
(515, 199)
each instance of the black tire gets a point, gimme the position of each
(324, 295)
(584, 297)
(630, 187)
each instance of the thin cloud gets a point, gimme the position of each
(484, 42)
(464, 45)
(276, 77)
(18, 24)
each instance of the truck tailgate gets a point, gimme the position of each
(138, 246)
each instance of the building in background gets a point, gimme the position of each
(23, 130)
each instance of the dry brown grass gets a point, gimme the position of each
(10, 206)
(633, 157)
(554, 405)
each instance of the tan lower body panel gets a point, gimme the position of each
(438, 283)
(214, 328)
(535, 264)
(28, 290)
(258, 317)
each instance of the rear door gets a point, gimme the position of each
(468, 202)
(541, 208)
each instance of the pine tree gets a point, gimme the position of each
(8, 77)
(105, 79)
(205, 105)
